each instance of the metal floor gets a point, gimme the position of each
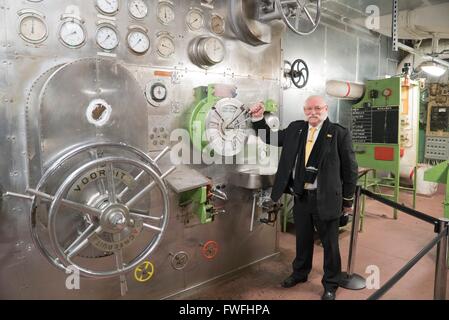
(385, 242)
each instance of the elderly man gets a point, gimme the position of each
(318, 167)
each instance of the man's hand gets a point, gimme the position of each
(257, 110)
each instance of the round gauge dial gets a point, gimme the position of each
(72, 34)
(33, 29)
(138, 9)
(109, 7)
(165, 46)
(157, 93)
(195, 19)
(165, 13)
(217, 24)
(214, 50)
(138, 41)
(107, 38)
(226, 127)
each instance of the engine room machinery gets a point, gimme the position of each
(437, 129)
(96, 98)
(385, 131)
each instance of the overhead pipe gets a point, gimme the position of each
(421, 56)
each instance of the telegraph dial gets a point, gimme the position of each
(226, 127)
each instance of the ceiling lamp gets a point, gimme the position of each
(433, 69)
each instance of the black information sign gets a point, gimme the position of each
(375, 124)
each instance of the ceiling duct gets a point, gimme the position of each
(417, 24)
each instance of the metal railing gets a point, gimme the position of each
(354, 281)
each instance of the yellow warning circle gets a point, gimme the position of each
(144, 272)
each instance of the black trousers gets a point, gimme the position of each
(306, 218)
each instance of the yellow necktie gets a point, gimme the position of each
(309, 144)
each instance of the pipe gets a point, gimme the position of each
(345, 89)
(421, 56)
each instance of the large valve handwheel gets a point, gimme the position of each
(301, 16)
(113, 225)
(58, 168)
(299, 73)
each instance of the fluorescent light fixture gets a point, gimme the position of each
(433, 69)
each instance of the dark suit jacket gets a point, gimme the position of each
(337, 175)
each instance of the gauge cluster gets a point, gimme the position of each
(160, 30)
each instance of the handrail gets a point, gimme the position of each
(398, 275)
(409, 211)
(354, 282)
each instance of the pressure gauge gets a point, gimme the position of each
(165, 12)
(217, 24)
(72, 34)
(206, 51)
(138, 9)
(195, 19)
(157, 93)
(226, 127)
(32, 28)
(165, 46)
(213, 49)
(107, 37)
(138, 41)
(109, 7)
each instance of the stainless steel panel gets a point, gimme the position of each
(368, 60)
(341, 55)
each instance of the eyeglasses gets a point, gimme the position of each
(315, 108)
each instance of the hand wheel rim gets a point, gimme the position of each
(51, 171)
(62, 190)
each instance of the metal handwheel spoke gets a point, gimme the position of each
(298, 16)
(120, 265)
(145, 217)
(67, 203)
(145, 190)
(111, 184)
(140, 194)
(83, 236)
(127, 189)
(306, 11)
(286, 8)
(73, 250)
(151, 227)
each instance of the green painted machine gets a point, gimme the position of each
(440, 174)
(218, 122)
(386, 134)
